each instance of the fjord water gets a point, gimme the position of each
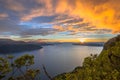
(60, 58)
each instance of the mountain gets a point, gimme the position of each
(111, 42)
(11, 46)
(105, 66)
(90, 44)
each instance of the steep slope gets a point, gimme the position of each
(106, 66)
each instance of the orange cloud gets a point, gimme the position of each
(102, 14)
(60, 28)
(46, 10)
(58, 40)
(66, 28)
(3, 15)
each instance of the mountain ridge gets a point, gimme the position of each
(11, 46)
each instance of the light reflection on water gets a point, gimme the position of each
(60, 58)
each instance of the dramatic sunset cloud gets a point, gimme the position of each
(102, 14)
(56, 19)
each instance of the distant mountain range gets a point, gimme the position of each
(90, 44)
(11, 46)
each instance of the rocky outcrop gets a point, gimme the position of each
(111, 42)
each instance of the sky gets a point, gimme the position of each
(59, 20)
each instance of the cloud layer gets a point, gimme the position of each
(102, 14)
(73, 16)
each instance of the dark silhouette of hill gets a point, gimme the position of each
(11, 46)
(90, 44)
(111, 42)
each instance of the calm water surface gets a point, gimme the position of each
(60, 58)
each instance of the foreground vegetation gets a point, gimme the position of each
(106, 66)
(18, 69)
